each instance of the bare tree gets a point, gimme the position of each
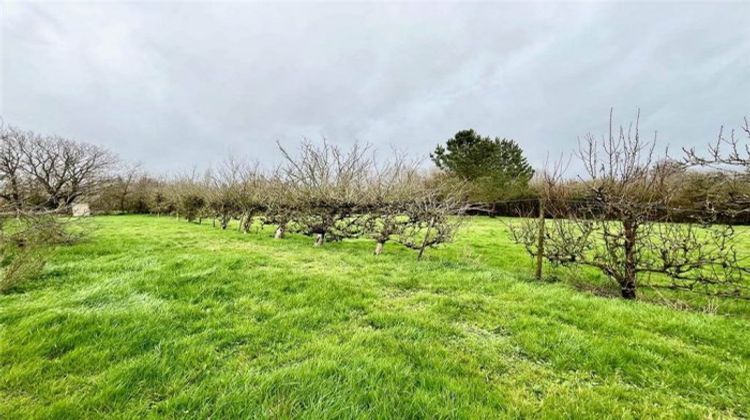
(12, 180)
(434, 216)
(328, 184)
(225, 190)
(622, 226)
(725, 151)
(65, 169)
(729, 156)
(158, 198)
(188, 192)
(252, 195)
(281, 204)
(128, 174)
(391, 189)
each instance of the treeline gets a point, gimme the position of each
(693, 194)
(51, 172)
(499, 181)
(602, 218)
(322, 191)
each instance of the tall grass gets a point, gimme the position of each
(157, 317)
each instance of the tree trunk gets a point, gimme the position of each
(247, 224)
(379, 247)
(320, 239)
(426, 235)
(279, 232)
(540, 242)
(628, 283)
(628, 291)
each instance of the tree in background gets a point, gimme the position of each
(188, 193)
(252, 195)
(390, 193)
(128, 175)
(64, 169)
(225, 190)
(50, 171)
(281, 204)
(495, 169)
(13, 180)
(729, 156)
(329, 186)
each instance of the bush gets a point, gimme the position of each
(19, 266)
(25, 238)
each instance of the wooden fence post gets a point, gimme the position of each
(540, 241)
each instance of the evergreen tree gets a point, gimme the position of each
(495, 168)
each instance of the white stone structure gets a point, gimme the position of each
(81, 210)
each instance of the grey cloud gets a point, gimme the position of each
(177, 84)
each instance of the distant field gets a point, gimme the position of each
(154, 316)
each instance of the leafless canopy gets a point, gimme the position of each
(622, 226)
(728, 156)
(328, 185)
(49, 171)
(725, 151)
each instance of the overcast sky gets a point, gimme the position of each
(178, 84)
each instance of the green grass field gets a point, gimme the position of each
(158, 317)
